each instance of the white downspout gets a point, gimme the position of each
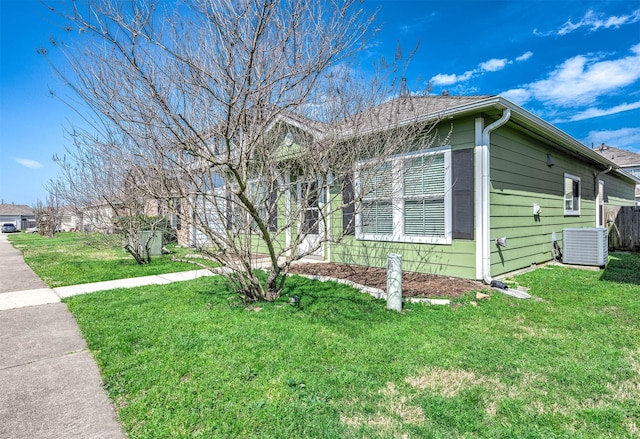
(486, 193)
(597, 194)
(597, 177)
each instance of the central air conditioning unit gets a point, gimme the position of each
(585, 246)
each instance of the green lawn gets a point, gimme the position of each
(77, 258)
(188, 360)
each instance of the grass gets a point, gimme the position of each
(188, 360)
(77, 258)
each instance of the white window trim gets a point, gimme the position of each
(397, 201)
(573, 212)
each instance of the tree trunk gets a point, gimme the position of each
(272, 287)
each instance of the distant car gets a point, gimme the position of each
(32, 230)
(9, 228)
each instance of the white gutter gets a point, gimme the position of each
(486, 194)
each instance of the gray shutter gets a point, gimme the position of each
(462, 179)
(228, 204)
(273, 210)
(348, 211)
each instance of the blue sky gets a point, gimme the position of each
(576, 64)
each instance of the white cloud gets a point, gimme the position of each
(493, 65)
(582, 79)
(517, 95)
(593, 21)
(625, 138)
(444, 79)
(590, 113)
(525, 56)
(32, 164)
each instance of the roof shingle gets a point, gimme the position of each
(15, 209)
(621, 157)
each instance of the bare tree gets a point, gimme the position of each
(252, 114)
(48, 216)
(98, 182)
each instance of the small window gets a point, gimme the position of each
(571, 195)
(309, 201)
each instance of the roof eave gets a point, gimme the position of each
(548, 130)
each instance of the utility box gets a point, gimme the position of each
(154, 240)
(148, 238)
(585, 246)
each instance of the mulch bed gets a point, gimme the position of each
(413, 284)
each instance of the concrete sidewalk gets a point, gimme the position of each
(43, 296)
(50, 386)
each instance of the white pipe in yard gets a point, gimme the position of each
(394, 282)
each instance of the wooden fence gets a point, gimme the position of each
(624, 228)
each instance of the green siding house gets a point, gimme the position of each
(495, 171)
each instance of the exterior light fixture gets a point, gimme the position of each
(550, 161)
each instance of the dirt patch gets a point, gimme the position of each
(413, 284)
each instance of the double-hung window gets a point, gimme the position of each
(376, 216)
(423, 192)
(571, 195)
(406, 199)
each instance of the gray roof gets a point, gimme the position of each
(395, 112)
(409, 107)
(16, 209)
(407, 110)
(621, 157)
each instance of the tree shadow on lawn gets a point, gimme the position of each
(338, 307)
(623, 268)
(335, 304)
(329, 301)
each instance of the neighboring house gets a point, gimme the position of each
(103, 217)
(20, 215)
(503, 173)
(69, 220)
(95, 218)
(627, 160)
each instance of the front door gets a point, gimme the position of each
(311, 222)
